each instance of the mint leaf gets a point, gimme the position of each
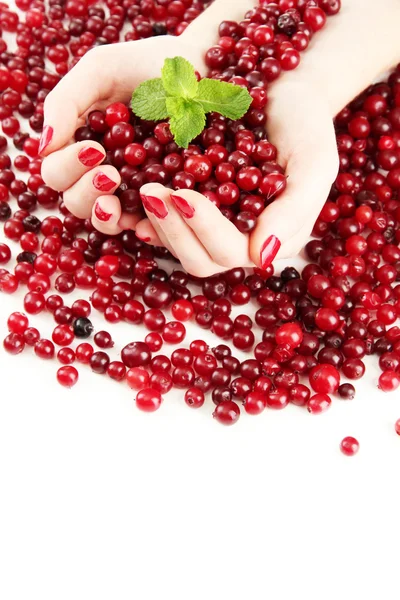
(178, 77)
(227, 99)
(187, 120)
(148, 101)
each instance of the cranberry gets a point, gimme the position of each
(44, 349)
(103, 339)
(137, 378)
(347, 391)
(148, 400)
(389, 381)
(324, 379)
(14, 343)
(84, 353)
(227, 412)
(63, 335)
(17, 323)
(349, 446)
(255, 402)
(67, 376)
(194, 397)
(66, 356)
(136, 354)
(99, 362)
(318, 403)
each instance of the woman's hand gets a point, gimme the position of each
(104, 75)
(194, 230)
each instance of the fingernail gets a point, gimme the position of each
(89, 157)
(269, 250)
(154, 205)
(101, 214)
(45, 138)
(183, 206)
(103, 183)
(143, 239)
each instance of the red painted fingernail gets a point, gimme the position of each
(45, 138)
(154, 205)
(183, 206)
(269, 250)
(103, 183)
(143, 239)
(101, 214)
(89, 157)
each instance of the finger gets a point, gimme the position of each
(284, 223)
(61, 169)
(226, 245)
(170, 226)
(80, 197)
(155, 225)
(106, 214)
(90, 79)
(146, 233)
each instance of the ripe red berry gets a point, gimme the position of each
(349, 446)
(67, 376)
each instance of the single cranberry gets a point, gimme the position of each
(347, 391)
(148, 400)
(116, 370)
(227, 412)
(349, 446)
(99, 362)
(103, 339)
(299, 394)
(63, 335)
(278, 398)
(14, 343)
(255, 402)
(66, 356)
(84, 353)
(136, 354)
(194, 397)
(137, 378)
(67, 376)
(17, 323)
(324, 379)
(389, 381)
(318, 403)
(173, 332)
(44, 349)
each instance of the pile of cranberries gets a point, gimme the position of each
(316, 326)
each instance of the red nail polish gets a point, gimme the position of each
(90, 157)
(103, 183)
(101, 214)
(269, 250)
(183, 206)
(154, 205)
(143, 239)
(45, 138)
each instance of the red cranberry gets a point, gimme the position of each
(67, 376)
(227, 412)
(148, 400)
(349, 446)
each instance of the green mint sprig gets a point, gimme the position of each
(179, 97)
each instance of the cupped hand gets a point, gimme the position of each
(104, 75)
(300, 124)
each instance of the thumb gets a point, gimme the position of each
(284, 226)
(70, 99)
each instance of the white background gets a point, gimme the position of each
(100, 501)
